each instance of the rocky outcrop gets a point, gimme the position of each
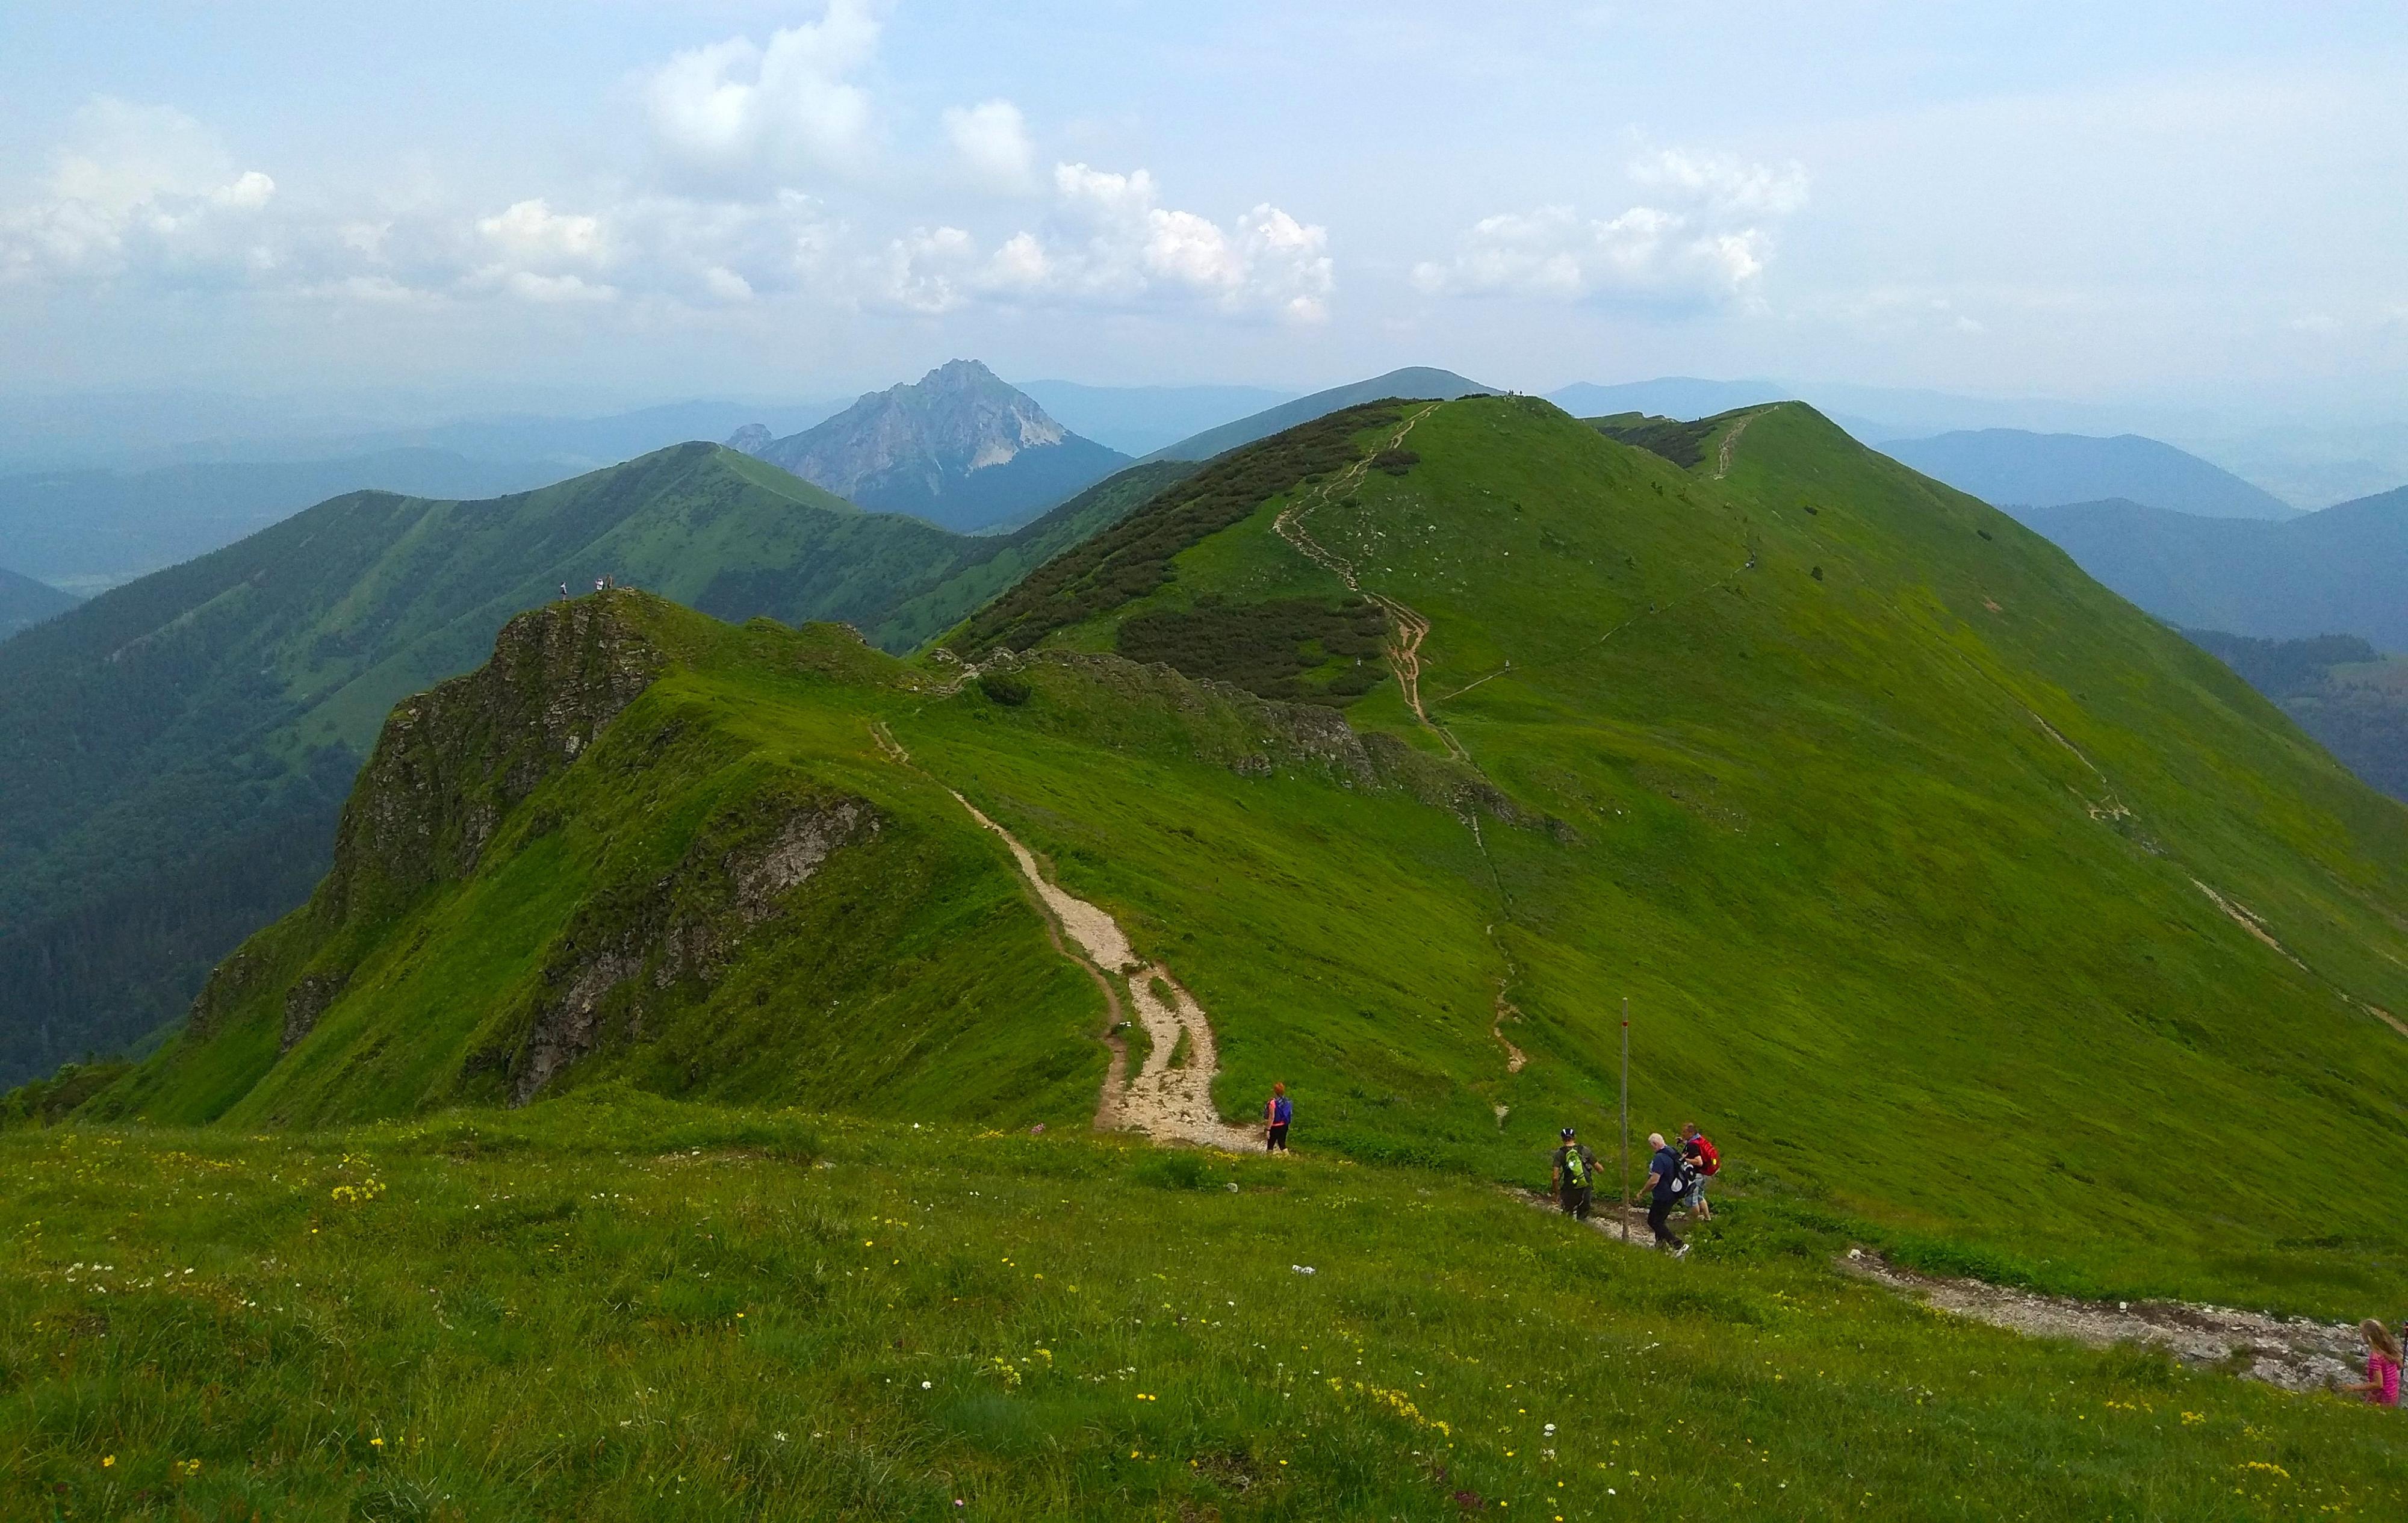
(633, 947)
(305, 1001)
(450, 764)
(752, 438)
(452, 761)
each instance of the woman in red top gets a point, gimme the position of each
(2381, 1386)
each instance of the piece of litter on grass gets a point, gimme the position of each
(1301, 1268)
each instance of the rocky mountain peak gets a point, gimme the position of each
(959, 446)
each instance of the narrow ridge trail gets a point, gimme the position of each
(1167, 1101)
(1404, 650)
(1731, 447)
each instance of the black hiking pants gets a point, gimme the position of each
(1577, 1200)
(1275, 1137)
(1656, 1211)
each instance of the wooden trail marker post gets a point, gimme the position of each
(1626, 1118)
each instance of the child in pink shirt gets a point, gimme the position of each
(2381, 1386)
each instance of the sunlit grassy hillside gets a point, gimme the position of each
(611, 1307)
(1954, 894)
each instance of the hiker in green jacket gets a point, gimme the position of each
(1575, 1176)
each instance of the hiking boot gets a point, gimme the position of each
(1680, 1251)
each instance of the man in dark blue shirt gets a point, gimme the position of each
(1665, 1183)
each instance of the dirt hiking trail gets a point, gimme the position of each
(1731, 447)
(2293, 1353)
(1170, 1099)
(1409, 628)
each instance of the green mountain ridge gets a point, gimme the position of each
(1968, 904)
(1412, 380)
(177, 749)
(2333, 572)
(2014, 465)
(25, 602)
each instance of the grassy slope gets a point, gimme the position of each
(178, 741)
(620, 1307)
(1885, 936)
(1869, 922)
(912, 971)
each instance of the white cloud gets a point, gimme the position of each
(1722, 184)
(528, 286)
(139, 190)
(531, 233)
(1706, 242)
(737, 112)
(1111, 244)
(991, 140)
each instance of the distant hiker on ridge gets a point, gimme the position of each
(1575, 1176)
(1666, 1180)
(1277, 1113)
(1705, 1161)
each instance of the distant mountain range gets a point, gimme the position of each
(89, 531)
(959, 447)
(24, 602)
(172, 751)
(2012, 467)
(2336, 572)
(1413, 380)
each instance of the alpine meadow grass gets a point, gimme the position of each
(611, 1306)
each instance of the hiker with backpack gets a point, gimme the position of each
(1575, 1176)
(1277, 1114)
(1668, 1182)
(1705, 1161)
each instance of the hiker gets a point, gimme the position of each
(564, 589)
(598, 583)
(1666, 1179)
(1277, 1112)
(2381, 1387)
(1575, 1176)
(1705, 1161)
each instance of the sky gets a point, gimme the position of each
(633, 201)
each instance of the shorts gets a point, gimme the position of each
(1695, 1195)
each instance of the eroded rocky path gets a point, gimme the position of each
(1170, 1098)
(2296, 1354)
(2293, 1353)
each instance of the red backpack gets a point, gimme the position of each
(1710, 1162)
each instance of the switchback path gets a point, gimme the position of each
(1170, 1099)
(1410, 628)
